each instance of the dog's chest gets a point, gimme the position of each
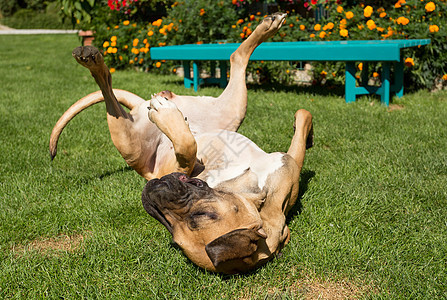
(228, 156)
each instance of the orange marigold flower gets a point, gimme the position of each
(433, 28)
(157, 23)
(344, 33)
(252, 17)
(444, 77)
(233, 26)
(339, 9)
(360, 66)
(402, 21)
(150, 33)
(360, 26)
(106, 44)
(380, 29)
(126, 22)
(382, 14)
(312, 35)
(375, 74)
(302, 27)
(242, 35)
(113, 44)
(161, 44)
(234, 1)
(120, 57)
(322, 34)
(409, 62)
(112, 70)
(367, 11)
(249, 31)
(109, 50)
(135, 42)
(116, 26)
(141, 61)
(202, 11)
(371, 24)
(323, 73)
(291, 25)
(430, 6)
(240, 21)
(113, 38)
(317, 27)
(158, 64)
(349, 15)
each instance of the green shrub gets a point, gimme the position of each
(209, 21)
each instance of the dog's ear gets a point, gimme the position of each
(237, 244)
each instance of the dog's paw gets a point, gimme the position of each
(163, 112)
(271, 24)
(88, 56)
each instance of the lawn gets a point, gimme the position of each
(371, 220)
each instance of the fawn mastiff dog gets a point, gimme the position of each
(223, 199)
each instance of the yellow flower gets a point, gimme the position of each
(371, 25)
(360, 66)
(112, 70)
(344, 33)
(323, 73)
(409, 62)
(444, 77)
(430, 6)
(302, 27)
(106, 44)
(126, 22)
(339, 9)
(135, 42)
(158, 64)
(157, 23)
(322, 34)
(349, 15)
(113, 38)
(317, 27)
(109, 50)
(367, 12)
(150, 33)
(114, 50)
(433, 28)
(113, 44)
(116, 26)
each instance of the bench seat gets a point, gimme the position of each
(386, 51)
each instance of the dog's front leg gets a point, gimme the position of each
(171, 122)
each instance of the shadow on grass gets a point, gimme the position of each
(113, 172)
(305, 178)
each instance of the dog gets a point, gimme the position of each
(223, 199)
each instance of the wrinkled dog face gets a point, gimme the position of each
(216, 230)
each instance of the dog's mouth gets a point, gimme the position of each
(173, 195)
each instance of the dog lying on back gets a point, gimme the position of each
(223, 199)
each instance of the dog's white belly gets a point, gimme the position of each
(227, 155)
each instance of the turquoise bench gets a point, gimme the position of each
(387, 51)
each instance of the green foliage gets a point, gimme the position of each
(207, 21)
(80, 11)
(9, 7)
(29, 19)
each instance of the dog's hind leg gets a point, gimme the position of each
(234, 97)
(303, 137)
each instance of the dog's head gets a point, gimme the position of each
(217, 230)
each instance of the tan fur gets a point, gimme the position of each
(238, 222)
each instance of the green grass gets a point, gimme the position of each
(371, 222)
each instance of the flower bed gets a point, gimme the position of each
(127, 43)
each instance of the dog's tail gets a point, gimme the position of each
(126, 98)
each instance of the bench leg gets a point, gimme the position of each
(350, 82)
(399, 78)
(386, 84)
(223, 74)
(187, 74)
(196, 79)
